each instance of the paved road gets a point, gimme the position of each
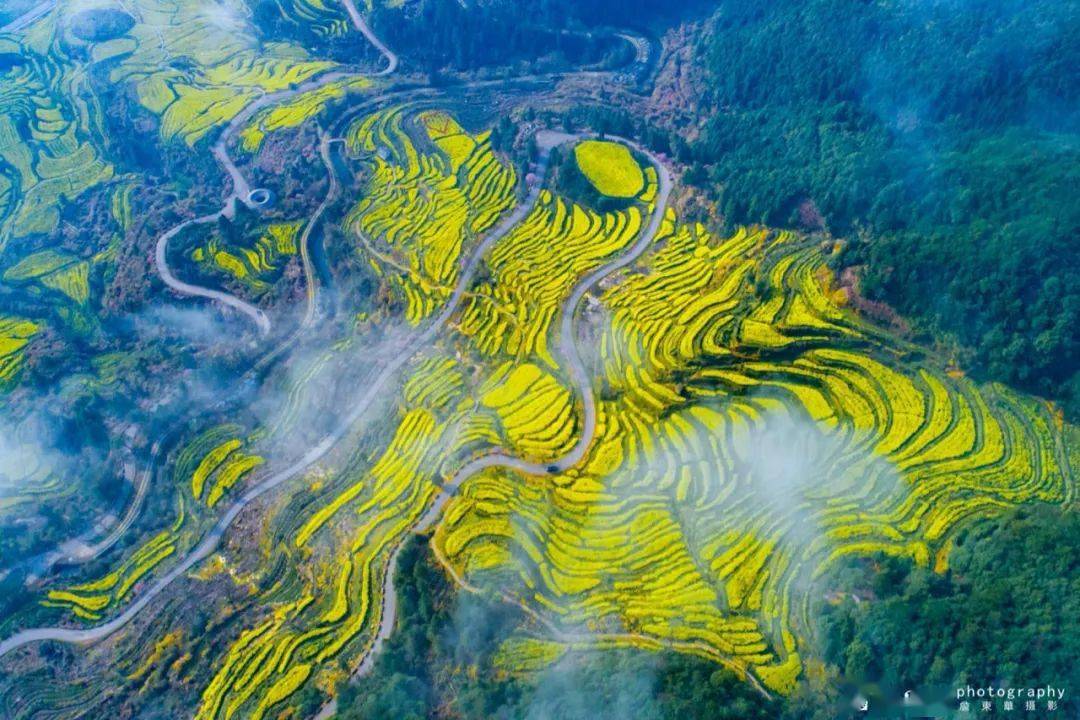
(546, 141)
(567, 347)
(20, 23)
(260, 318)
(78, 550)
(363, 403)
(360, 23)
(313, 222)
(640, 45)
(242, 190)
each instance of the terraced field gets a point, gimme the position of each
(224, 72)
(205, 471)
(297, 111)
(15, 333)
(745, 443)
(421, 209)
(639, 431)
(254, 267)
(193, 66)
(30, 476)
(56, 160)
(64, 274)
(751, 431)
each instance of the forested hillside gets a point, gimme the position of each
(444, 34)
(445, 663)
(910, 627)
(941, 136)
(993, 617)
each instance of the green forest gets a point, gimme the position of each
(943, 144)
(1007, 611)
(553, 360)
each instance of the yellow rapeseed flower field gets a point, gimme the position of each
(610, 168)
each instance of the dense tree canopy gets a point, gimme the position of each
(942, 137)
(994, 617)
(1006, 613)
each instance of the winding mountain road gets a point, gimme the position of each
(243, 192)
(569, 354)
(77, 551)
(360, 23)
(546, 141)
(257, 315)
(566, 347)
(310, 225)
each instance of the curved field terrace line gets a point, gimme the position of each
(567, 348)
(256, 198)
(546, 141)
(76, 552)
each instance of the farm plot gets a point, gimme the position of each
(296, 112)
(63, 273)
(257, 266)
(205, 470)
(194, 65)
(89, 600)
(748, 438)
(325, 19)
(533, 269)
(610, 167)
(421, 208)
(750, 431)
(15, 333)
(45, 129)
(331, 613)
(197, 66)
(31, 476)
